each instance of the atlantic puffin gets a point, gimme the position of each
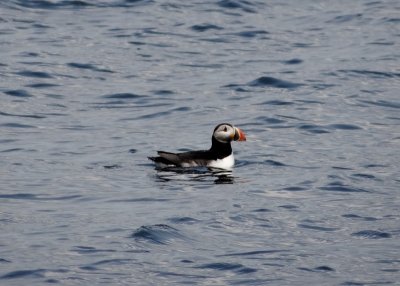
(219, 156)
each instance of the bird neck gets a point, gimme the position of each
(221, 150)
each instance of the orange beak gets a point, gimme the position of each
(239, 135)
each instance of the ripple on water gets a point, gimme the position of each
(18, 93)
(23, 115)
(382, 103)
(251, 34)
(242, 5)
(42, 85)
(125, 95)
(278, 102)
(322, 268)
(157, 234)
(357, 217)
(205, 27)
(316, 227)
(293, 62)
(89, 67)
(17, 125)
(33, 273)
(35, 74)
(273, 82)
(369, 73)
(371, 234)
(274, 163)
(225, 266)
(36, 273)
(340, 187)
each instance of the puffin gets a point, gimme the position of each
(219, 156)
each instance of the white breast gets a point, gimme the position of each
(225, 163)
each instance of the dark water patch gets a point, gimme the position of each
(18, 93)
(11, 150)
(35, 74)
(313, 128)
(392, 20)
(293, 62)
(125, 95)
(22, 115)
(251, 34)
(116, 261)
(90, 249)
(376, 166)
(137, 43)
(28, 196)
(36, 273)
(295, 189)
(224, 266)
(205, 27)
(344, 127)
(369, 73)
(345, 18)
(371, 234)
(253, 253)
(357, 217)
(382, 43)
(274, 163)
(224, 40)
(16, 125)
(139, 200)
(365, 176)
(42, 85)
(316, 227)
(163, 92)
(243, 5)
(241, 89)
(157, 234)
(322, 86)
(383, 103)
(56, 96)
(41, 26)
(45, 4)
(29, 54)
(89, 268)
(266, 81)
(88, 67)
(277, 102)
(340, 187)
(23, 196)
(262, 210)
(114, 166)
(323, 268)
(302, 45)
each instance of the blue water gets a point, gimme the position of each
(89, 89)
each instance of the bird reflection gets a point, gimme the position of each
(220, 176)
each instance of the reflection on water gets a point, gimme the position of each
(220, 176)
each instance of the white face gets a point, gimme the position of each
(224, 133)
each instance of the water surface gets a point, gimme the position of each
(89, 89)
